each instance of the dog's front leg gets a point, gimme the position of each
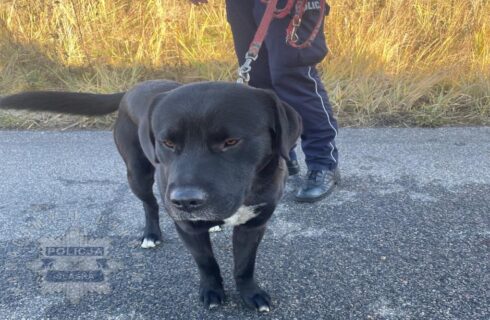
(211, 290)
(245, 243)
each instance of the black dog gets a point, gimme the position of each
(217, 150)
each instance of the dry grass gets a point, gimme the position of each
(392, 62)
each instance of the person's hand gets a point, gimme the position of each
(199, 1)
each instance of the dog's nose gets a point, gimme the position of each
(187, 198)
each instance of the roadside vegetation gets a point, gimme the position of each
(391, 62)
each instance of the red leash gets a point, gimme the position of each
(270, 13)
(291, 36)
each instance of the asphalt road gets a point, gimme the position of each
(406, 236)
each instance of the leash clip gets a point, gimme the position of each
(244, 69)
(292, 37)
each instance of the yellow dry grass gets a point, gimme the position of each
(392, 62)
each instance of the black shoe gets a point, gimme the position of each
(318, 185)
(293, 167)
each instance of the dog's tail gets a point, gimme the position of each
(63, 102)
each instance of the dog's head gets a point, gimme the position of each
(210, 140)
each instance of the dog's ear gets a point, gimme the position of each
(287, 125)
(146, 135)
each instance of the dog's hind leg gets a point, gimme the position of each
(141, 177)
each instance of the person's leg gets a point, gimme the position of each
(301, 87)
(243, 27)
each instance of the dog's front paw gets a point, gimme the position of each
(211, 297)
(151, 240)
(255, 298)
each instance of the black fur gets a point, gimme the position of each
(181, 135)
(64, 102)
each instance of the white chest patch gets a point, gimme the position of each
(242, 215)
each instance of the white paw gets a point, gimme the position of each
(264, 309)
(147, 243)
(213, 306)
(215, 229)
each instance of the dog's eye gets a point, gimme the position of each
(231, 142)
(168, 143)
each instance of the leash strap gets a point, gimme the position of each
(292, 38)
(253, 51)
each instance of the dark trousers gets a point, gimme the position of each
(286, 71)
